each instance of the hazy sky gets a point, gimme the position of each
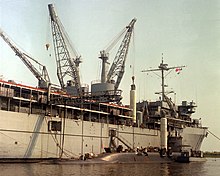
(186, 31)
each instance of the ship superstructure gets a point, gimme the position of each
(178, 117)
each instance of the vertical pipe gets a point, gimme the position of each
(82, 142)
(104, 57)
(139, 118)
(163, 133)
(133, 100)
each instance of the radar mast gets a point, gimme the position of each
(163, 68)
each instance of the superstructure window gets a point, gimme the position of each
(54, 126)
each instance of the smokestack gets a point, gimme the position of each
(133, 100)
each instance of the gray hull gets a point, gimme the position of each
(25, 135)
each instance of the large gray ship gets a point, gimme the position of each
(69, 121)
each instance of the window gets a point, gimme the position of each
(54, 126)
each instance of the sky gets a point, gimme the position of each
(187, 32)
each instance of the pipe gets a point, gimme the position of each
(163, 133)
(133, 100)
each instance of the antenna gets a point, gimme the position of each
(163, 67)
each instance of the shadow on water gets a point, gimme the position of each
(211, 167)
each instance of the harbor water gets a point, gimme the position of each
(209, 168)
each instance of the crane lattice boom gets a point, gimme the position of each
(43, 77)
(66, 65)
(118, 66)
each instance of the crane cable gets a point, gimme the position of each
(47, 35)
(134, 54)
(70, 45)
(115, 40)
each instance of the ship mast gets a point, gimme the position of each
(163, 67)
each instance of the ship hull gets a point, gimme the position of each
(24, 135)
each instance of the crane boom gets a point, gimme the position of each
(118, 66)
(66, 65)
(43, 77)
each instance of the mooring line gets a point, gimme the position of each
(213, 135)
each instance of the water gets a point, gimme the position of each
(209, 168)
